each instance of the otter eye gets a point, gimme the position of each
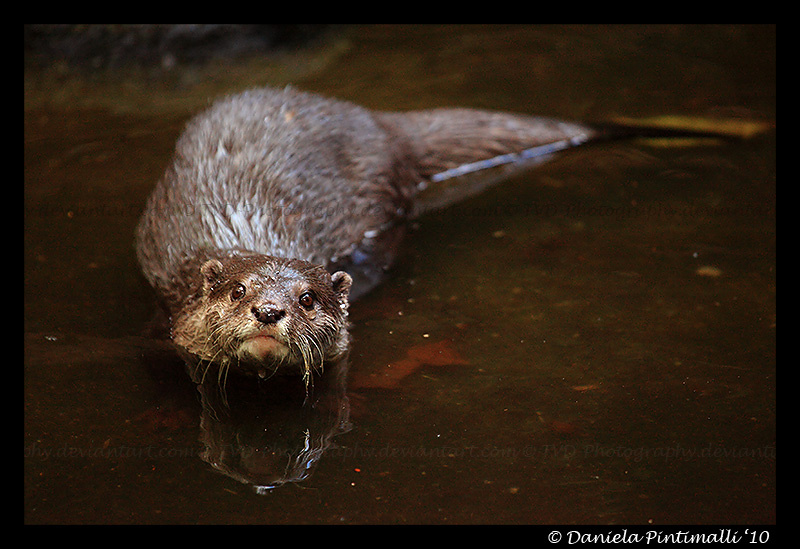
(238, 292)
(306, 300)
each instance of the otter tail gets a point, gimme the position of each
(460, 152)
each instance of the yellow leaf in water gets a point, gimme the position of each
(729, 127)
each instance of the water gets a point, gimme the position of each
(612, 314)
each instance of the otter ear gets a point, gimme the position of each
(212, 273)
(341, 287)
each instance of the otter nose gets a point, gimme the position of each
(268, 314)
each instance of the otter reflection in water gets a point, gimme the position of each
(269, 434)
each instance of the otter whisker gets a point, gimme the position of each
(222, 379)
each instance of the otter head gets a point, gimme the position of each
(260, 314)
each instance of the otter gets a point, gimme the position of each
(279, 207)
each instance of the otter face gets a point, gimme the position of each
(260, 314)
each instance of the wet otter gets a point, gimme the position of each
(270, 191)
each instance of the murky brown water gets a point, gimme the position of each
(616, 308)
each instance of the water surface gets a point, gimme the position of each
(611, 314)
